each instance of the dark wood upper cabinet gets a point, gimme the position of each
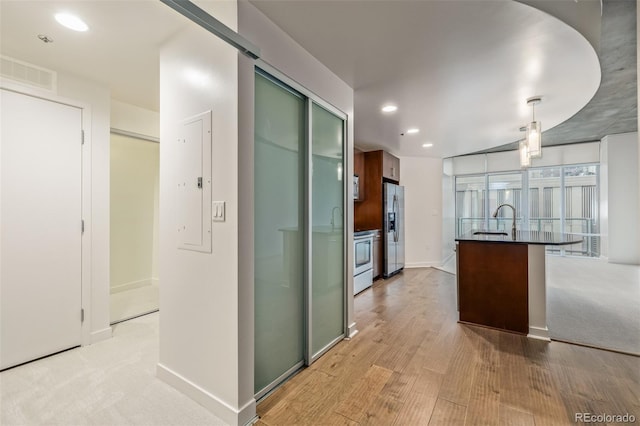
(359, 170)
(368, 213)
(390, 167)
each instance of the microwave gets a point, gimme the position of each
(356, 187)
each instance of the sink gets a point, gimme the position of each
(490, 233)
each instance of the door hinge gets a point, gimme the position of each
(82, 226)
(82, 315)
(82, 136)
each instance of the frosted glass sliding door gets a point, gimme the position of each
(327, 236)
(299, 195)
(280, 117)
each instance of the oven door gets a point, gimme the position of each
(363, 255)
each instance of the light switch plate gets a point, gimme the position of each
(218, 211)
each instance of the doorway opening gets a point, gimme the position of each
(134, 212)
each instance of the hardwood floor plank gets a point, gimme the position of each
(421, 355)
(459, 377)
(308, 398)
(397, 358)
(512, 417)
(428, 383)
(447, 413)
(441, 349)
(484, 399)
(383, 411)
(413, 364)
(513, 375)
(333, 419)
(364, 393)
(286, 389)
(416, 410)
(399, 386)
(547, 401)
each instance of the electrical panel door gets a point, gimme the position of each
(194, 183)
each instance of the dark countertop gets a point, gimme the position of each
(526, 237)
(364, 233)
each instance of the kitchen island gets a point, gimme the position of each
(501, 279)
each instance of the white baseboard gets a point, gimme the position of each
(421, 265)
(448, 258)
(352, 331)
(100, 335)
(244, 415)
(539, 333)
(133, 284)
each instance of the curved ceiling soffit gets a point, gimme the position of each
(584, 16)
(613, 109)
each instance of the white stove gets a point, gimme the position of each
(363, 261)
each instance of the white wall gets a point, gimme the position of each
(285, 55)
(202, 351)
(422, 181)
(619, 170)
(134, 210)
(98, 98)
(144, 122)
(134, 119)
(638, 90)
(579, 153)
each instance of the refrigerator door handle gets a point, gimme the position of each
(396, 207)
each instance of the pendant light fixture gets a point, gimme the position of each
(525, 157)
(534, 130)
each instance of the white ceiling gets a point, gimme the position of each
(459, 70)
(120, 50)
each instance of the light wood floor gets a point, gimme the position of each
(413, 364)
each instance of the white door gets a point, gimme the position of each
(40, 230)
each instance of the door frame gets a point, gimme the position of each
(86, 214)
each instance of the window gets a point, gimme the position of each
(505, 189)
(470, 203)
(582, 208)
(562, 199)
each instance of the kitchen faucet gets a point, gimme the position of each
(513, 226)
(332, 216)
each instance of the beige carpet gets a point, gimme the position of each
(109, 383)
(595, 303)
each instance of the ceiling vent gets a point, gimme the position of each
(28, 74)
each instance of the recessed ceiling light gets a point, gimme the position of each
(413, 131)
(427, 145)
(389, 108)
(71, 21)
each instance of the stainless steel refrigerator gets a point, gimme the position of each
(393, 229)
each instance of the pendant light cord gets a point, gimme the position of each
(533, 110)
